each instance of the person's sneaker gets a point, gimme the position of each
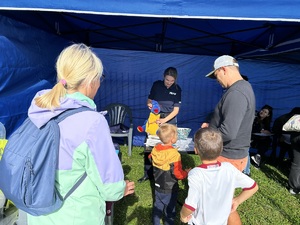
(256, 159)
(293, 192)
(142, 179)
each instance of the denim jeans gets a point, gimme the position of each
(247, 168)
(164, 204)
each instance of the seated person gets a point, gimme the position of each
(261, 124)
(282, 138)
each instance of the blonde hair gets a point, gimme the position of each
(209, 143)
(166, 132)
(76, 65)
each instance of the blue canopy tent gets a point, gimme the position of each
(137, 40)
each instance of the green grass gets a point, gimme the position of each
(272, 204)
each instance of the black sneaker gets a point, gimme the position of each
(142, 179)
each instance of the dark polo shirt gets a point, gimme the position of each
(166, 98)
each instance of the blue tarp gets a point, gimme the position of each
(136, 49)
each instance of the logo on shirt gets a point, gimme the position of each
(172, 93)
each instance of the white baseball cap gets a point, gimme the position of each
(224, 60)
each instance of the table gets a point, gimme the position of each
(262, 134)
(183, 145)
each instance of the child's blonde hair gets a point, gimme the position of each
(166, 132)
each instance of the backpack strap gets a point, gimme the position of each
(60, 118)
(70, 112)
(75, 186)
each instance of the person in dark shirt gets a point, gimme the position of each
(168, 95)
(233, 116)
(261, 131)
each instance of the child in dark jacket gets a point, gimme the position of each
(167, 170)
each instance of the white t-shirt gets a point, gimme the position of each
(211, 190)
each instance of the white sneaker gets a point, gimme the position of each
(293, 192)
(256, 159)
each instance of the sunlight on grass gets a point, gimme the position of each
(272, 204)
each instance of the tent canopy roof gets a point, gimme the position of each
(190, 27)
(249, 10)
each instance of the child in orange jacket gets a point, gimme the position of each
(167, 170)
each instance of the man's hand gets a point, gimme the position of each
(204, 125)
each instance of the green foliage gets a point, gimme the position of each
(272, 204)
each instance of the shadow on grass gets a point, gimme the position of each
(137, 208)
(274, 174)
(126, 170)
(187, 162)
(141, 214)
(121, 208)
(277, 205)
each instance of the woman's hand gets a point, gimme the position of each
(265, 131)
(161, 121)
(129, 189)
(150, 105)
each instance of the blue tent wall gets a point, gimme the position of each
(27, 64)
(130, 75)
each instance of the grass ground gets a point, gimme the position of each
(272, 204)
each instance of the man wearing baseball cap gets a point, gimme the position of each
(233, 116)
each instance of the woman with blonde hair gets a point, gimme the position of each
(85, 142)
